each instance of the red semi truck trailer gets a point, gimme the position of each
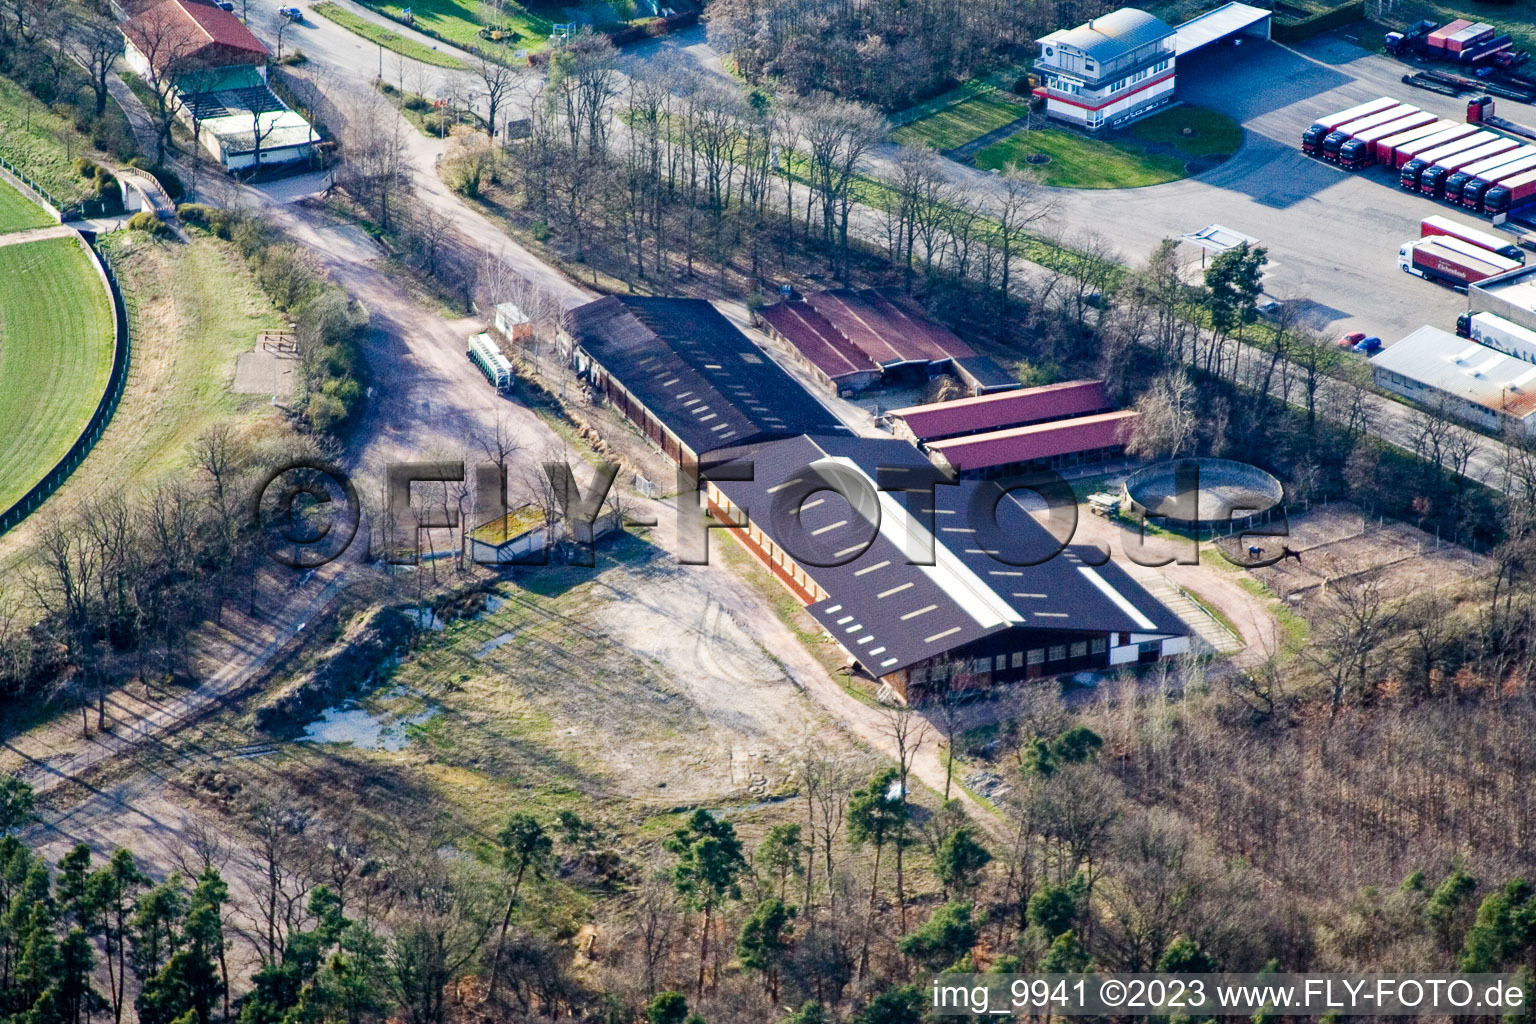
(1342, 134)
(1451, 261)
(1510, 193)
(1408, 174)
(1455, 182)
(1432, 178)
(1474, 192)
(1404, 153)
(1444, 227)
(1312, 138)
(1384, 150)
(1359, 150)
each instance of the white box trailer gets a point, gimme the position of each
(1505, 335)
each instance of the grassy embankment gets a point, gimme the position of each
(388, 39)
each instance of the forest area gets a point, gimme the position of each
(883, 52)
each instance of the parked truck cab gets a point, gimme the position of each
(1453, 185)
(1432, 181)
(1312, 138)
(1408, 177)
(1332, 143)
(1464, 325)
(1472, 193)
(1355, 154)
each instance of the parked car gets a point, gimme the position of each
(1351, 339)
(291, 13)
(1368, 345)
(226, 5)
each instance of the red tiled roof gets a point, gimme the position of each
(807, 330)
(1007, 409)
(191, 34)
(1038, 441)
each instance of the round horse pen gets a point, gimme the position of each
(1227, 496)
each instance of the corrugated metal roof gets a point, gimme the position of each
(696, 372)
(1113, 35)
(1218, 24)
(1009, 409)
(803, 327)
(1465, 370)
(1037, 442)
(889, 613)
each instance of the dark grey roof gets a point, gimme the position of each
(696, 372)
(889, 613)
(1113, 35)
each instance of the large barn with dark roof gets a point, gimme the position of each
(984, 603)
(687, 378)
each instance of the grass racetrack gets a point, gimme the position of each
(56, 336)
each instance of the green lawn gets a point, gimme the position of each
(17, 212)
(55, 356)
(41, 143)
(969, 119)
(392, 41)
(1214, 134)
(460, 21)
(1151, 152)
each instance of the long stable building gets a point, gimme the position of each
(853, 340)
(940, 420)
(973, 611)
(687, 378)
(965, 604)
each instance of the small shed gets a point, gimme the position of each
(512, 323)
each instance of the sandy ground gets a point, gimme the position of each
(1338, 541)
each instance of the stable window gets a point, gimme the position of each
(1058, 653)
(1080, 649)
(1000, 662)
(1098, 646)
(981, 666)
(1018, 659)
(1036, 657)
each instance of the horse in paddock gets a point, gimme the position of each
(1255, 553)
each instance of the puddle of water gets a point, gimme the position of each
(426, 618)
(493, 643)
(361, 728)
(493, 604)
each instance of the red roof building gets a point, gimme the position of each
(843, 333)
(1058, 443)
(836, 361)
(182, 35)
(940, 420)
